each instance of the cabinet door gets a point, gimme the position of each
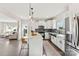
(46, 35)
(53, 39)
(62, 44)
(59, 42)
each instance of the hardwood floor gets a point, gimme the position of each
(9, 48)
(50, 50)
(12, 48)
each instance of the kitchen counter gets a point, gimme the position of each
(61, 35)
(53, 34)
(57, 35)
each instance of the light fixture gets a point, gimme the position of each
(31, 12)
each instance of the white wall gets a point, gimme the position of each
(41, 23)
(1, 28)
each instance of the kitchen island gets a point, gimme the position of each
(35, 45)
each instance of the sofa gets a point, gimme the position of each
(14, 35)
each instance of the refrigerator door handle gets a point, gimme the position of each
(76, 32)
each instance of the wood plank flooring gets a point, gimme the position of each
(12, 48)
(50, 50)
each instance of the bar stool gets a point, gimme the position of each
(23, 44)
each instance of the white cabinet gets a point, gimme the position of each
(59, 41)
(36, 46)
(47, 35)
(53, 39)
(63, 45)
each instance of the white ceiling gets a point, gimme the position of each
(41, 10)
(47, 10)
(17, 9)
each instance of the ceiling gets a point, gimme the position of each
(41, 10)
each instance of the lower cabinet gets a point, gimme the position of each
(47, 35)
(53, 39)
(59, 42)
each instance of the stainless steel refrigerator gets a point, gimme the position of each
(72, 38)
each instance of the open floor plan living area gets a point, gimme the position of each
(39, 29)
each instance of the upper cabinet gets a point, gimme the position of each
(48, 24)
(53, 24)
